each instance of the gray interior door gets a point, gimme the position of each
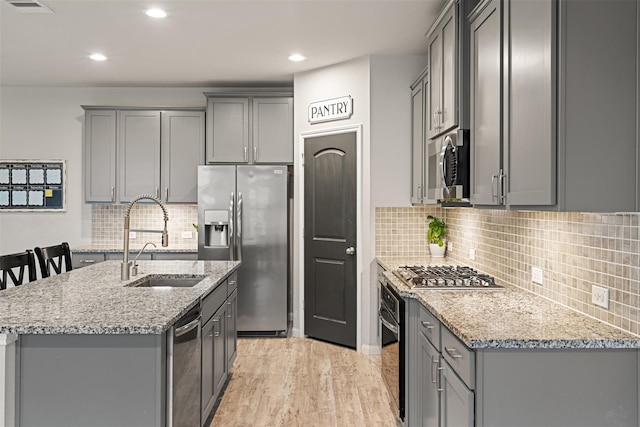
(330, 238)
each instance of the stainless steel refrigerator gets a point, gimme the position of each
(243, 214)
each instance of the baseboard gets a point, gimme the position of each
(369, 349)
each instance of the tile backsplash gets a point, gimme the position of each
(574, 250)
(108, 221)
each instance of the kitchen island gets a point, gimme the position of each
(85, 348)
(508, 357)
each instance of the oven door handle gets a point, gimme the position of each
(393, 328)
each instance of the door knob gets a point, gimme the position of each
(350, 250)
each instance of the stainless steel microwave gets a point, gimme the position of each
(448, 169)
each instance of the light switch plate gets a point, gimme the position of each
(132, 235)
(449, 246)
(600, 296)
(186, 235)
(472, 254)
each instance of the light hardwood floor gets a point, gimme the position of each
(303, 382)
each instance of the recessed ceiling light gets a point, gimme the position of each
(98, 57)
(296, 57)
(156, 13)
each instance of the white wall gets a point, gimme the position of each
(379, 86)
(47, 123)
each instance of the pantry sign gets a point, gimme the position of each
(331, 109)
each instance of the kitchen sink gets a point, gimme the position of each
(167, 281)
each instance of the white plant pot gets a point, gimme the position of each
(437, 251)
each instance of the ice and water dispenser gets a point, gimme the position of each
(216, 227)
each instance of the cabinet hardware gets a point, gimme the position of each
(494, 178)
(229, 312)
(434, 363)
(157, 193)
(87, 261)
(246, 155)
(166, 194)
(501, 186)
(453, 353)
(255, 154)
(215, 319)
(426, 324)
(113, 194)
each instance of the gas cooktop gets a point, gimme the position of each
(446, 277)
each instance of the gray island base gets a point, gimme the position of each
(85, 349)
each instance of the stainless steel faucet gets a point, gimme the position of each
(125, 267)
(134, 269)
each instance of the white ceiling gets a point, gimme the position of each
(201, 42)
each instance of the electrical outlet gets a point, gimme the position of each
(472, 254)
(186, 235)
(132, 235)
(449, 246)
(600, 296)
(536, 275)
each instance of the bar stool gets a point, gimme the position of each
(54, 256)
(21, 261)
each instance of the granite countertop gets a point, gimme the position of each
(134, 247)
(508, 318)
(93, 300)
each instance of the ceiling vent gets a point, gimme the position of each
(30, 6)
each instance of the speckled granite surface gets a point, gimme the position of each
(93, 300)
(134, 247)
(509, 318)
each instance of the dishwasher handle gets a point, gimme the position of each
(188, 327)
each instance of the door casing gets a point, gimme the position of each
(357, 129)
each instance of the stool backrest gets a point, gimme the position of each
(17, 263)
(54, 257)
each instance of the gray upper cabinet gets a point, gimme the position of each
(249, 126)
(529, 102)
(272, 130)
(139, 159)
(442, 98)
(418, 120)
(100, 156)
(227, 130)
(182, 150)
(542, 86)
(486, 104)
(142, 151)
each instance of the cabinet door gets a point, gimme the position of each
(530, 96)
(456, 400)
(429, 362)
(434, 96)
(232, 335)
(449, 111)
(272, 138)
(207, 390)
(100, 156)
(417, 144)
(219, 351)
(182, 147)
(139, 145)
(486, 104)
(227, 130)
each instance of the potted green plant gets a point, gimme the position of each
(436, 235)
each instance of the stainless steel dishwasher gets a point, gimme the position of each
(183, 391)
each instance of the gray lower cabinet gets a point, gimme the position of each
(218, 343)
(542, 84)
(250, 126)
(451, 385)
(158, 154)
(84, 259)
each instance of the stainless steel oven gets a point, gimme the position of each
(391, 315)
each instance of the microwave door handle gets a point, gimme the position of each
(443, 153)
(231, 227)
(239, 211)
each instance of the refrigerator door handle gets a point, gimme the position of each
(239, 250)
(231, 228)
